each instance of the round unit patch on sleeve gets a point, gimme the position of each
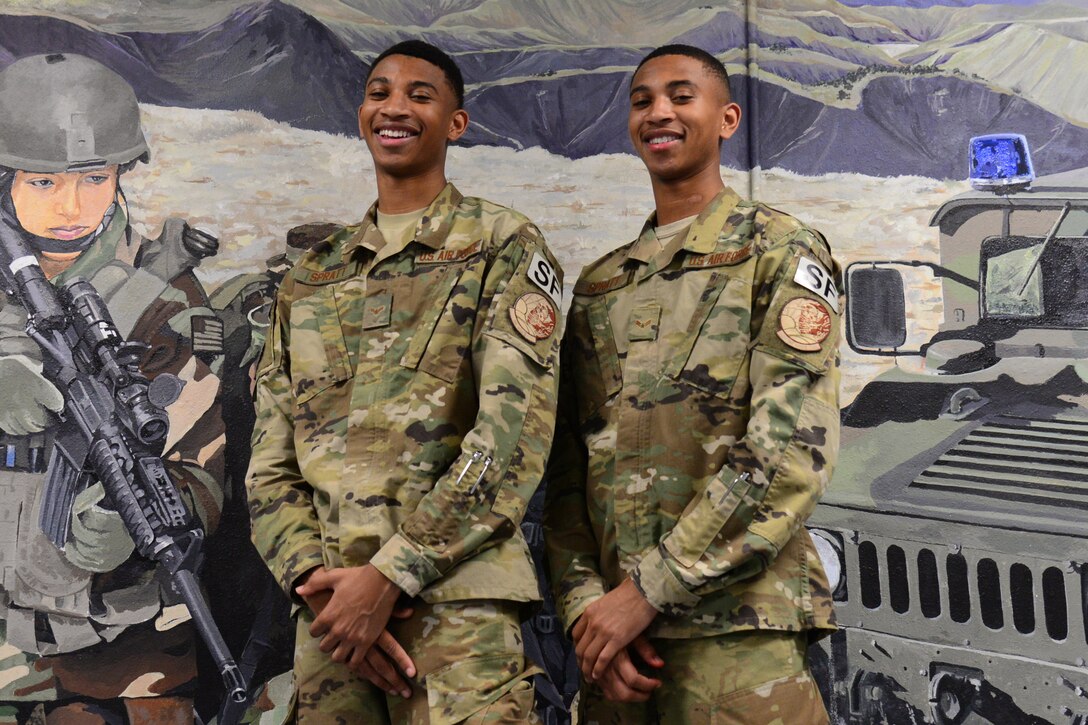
(804, 324)
(533, 316)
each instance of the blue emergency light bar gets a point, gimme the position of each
(1000, 163)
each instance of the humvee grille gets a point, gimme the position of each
(994, 601)
(1040, 461)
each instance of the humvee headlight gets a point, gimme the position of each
(830, 550)
(1000, 162)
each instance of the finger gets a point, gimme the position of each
(360, 665)
(365, 671)
(384, 667)
(614, 689)
(321, 625)
(53, 398)
(624, 669)
(342, 653)
(403, 612)
(604, 658)
(647, 652)
(315, 582)
(388, 644)
(589, 657)
(579, 628)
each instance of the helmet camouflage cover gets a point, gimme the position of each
(64, 112)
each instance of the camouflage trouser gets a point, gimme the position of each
(470, 669)
(144, 677)
(748, 678)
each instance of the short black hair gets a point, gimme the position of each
(433, 55)
(712, 64)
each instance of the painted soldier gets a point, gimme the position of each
(87, 633)
(698, 428)
(405, 406)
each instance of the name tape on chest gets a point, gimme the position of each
(812, 276)
(543, 275)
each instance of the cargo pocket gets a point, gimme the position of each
(319, 356)
(477, 687)
(716, 343)
(787, 700)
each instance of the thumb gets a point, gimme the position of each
(403, 612)
(320, 579)
(647, 652)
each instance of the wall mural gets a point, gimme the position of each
(954, 527)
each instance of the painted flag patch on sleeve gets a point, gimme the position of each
(814, 277)
(544, 276)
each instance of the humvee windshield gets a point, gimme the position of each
(1045, 285)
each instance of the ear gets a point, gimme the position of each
(359, 116)
(730, 120)
(458, 125)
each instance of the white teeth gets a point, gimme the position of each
(390, 133)
(663, 139)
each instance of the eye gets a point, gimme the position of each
(420, 97)
(640, 102)
(683, 98)
(377, 94)
(97, 178)
(41, 183)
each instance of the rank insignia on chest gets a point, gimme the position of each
(644, 322)
(533, 316)
(804, 324)
(377, 311)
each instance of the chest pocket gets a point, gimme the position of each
(319, 355)
(447, 298)
(711, 350)
(592, 346)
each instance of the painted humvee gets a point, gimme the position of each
(955, 529)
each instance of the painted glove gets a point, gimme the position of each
(26, 397)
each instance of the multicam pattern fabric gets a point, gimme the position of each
(694, 441)
(750, 678)
(65, 611)
(403, 420)
(469, 663)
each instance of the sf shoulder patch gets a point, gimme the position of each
(543, 275)
(533, 315)
(813, 276)
(804, 323)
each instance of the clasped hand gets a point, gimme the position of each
(352, 607)
(604, 637)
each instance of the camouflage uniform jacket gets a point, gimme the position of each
(406, 402)
(56, 601)
(699, 425)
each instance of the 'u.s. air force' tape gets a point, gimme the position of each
(543, 276)
(812, 276)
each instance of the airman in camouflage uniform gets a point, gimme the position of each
(406, 401)
(85, 633)
(698, 428)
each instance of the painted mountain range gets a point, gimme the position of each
(881, 89)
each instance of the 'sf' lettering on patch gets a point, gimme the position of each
(544, 276)
(812, 276)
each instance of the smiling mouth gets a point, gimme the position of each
(395, 134)
(662, 140)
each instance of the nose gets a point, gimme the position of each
(395, 105)
(68, 202)
(661, 109)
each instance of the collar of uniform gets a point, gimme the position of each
(701, 237)
(431, 232)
